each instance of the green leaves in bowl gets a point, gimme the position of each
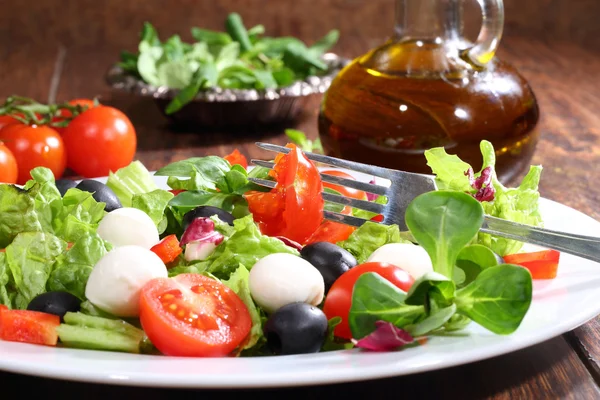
(238, 58)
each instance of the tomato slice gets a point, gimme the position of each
(343, 190)
(541, 264)
(333, 232)
(235, 157)
(192, 315)
(28, 326)
(176, 191)
(294, 208)
(339, 297)
(167, 249)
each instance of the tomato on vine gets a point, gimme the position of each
(99, 140)
(8, 165)
(34, 146)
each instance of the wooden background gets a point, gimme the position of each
(61, 49)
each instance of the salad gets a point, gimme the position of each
(237, 58)
(218, 266)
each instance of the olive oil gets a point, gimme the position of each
(389, 106)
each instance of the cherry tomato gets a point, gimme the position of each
(339, 297)
(6, 120)
(192, 315)
(167, 249)
(34, 146)
(64, 113)
(541, 264)
(236, 157)
(343, 190)
(28, 326)
(8, 165)
(98, 141)
(294, 208)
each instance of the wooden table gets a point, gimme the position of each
(564, 77)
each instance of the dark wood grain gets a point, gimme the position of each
(550, 370)
(554, 43)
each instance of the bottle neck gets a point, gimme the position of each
(428, 20)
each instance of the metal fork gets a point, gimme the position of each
(405, 186)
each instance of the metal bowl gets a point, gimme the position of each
(219, 107)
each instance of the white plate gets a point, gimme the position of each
(558, 306)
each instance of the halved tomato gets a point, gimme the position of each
(192, 315)
(28, 326)
(294, 208)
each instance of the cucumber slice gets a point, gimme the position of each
(98, 333)
(98, 339)
(113, 325)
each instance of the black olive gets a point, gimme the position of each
(65, 184)
(101, 193)
(331, 260)
(296, 328)
(206, 212)
(57, 303)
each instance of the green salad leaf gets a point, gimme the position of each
(443, 222)
(238, 282)
(79, 216)
(520, 204)
(154, 204)
(30, 258)
(237, 58)
(17, 214)
(369, 237)
(498, 298)
(7, 290)
(376, 299)
(129, 181)
(245, 247)
(72, 269)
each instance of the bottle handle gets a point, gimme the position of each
(490, 34)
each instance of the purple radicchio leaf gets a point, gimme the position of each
(483, 184)
(385, 337)
(201, 230)
(289, 242)
(372, 196)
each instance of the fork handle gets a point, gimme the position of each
(578, 245)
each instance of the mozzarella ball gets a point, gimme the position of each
(279, 279)
(411, 258)
(116, 280)
(128, 226)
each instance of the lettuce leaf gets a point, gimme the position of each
(238, 282)
(369, 237)
(129, 181)
(72, 269)
(7, 291)
(30, 258)
(79, 216)
(520, 204)
(245, 246)
(203, 173)
(17, 214)
(154, 203)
